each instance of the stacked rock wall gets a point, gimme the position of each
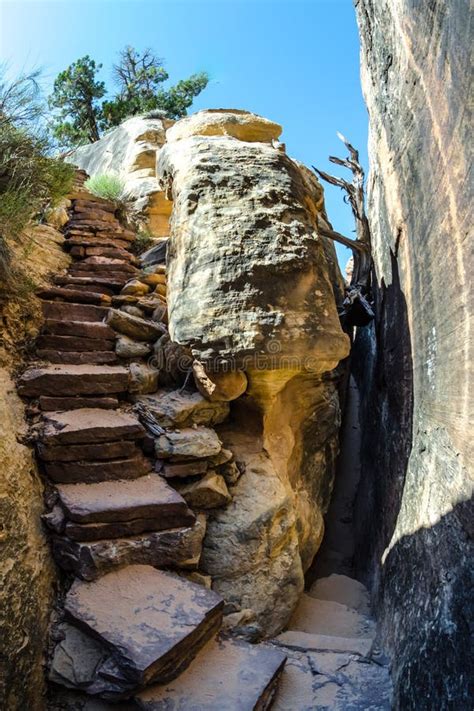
(414, 502)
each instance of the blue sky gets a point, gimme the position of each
(294, 61)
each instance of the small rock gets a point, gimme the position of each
(175, 408)
(137, 328)
(126, 347)
(135, 287)
(224, 456)
(231, 472)
(143, 379)
(132, 310)
(210, 492)
(184, 469)
(188, 443)
(216, 386)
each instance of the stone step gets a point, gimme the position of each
(75, 295)
(105, 502)
(327, 680)
(135, 618)
(87, 452)
(72, 312)
(225, 676)
(86, 329)
(304, 641)
(52, 404)
(89, 426)
(340, 588)
(78, 358)
(97, 288)
(171, 548)
(90, 281)
(93, 264)
(93, 203)
(325, 617)
(120, 278)
(84, 240)
(112, 253)
(74, 380)
(74, 343)
(120, 508)
(107, 470)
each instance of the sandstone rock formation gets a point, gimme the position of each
(26, 569)
(415, 521)
(130, 151)
(249, 289)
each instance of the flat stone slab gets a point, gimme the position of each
(73, 380)
(184, 469)
(72, 312)
(74, 343)
(89, 472)
(343, 589)
(171, 548)
(52, 404)
(146, 497)
(330, 618)
(89, 425)
(336, 682)
(174, 408)
(78, 358)
(227, 675)
(188, 443)
(87, 452)
(74, 295)
(153, 623)
(84, 329)
(303, 641)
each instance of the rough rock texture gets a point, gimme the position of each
(136, 615)
(130, 150)
(243, 237)
(415, 530)
(26, 570)
(251, 291)
(227, 676)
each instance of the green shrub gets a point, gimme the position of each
(30, 179)
(143, 241)
(108, 186)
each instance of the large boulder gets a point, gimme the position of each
(248, 278)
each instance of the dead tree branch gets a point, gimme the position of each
(361, 247)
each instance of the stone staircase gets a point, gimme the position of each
(119, 494)
(332, 658)
(132, 467)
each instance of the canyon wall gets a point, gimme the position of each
(413, 509)
(26, 570)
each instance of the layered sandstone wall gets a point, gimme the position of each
(26, 570)
(414, 364)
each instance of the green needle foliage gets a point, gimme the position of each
(75, 97)
(139, 78)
